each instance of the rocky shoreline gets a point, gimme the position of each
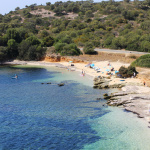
(135, 99)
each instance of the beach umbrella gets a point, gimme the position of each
(92, 65)
(107, 69)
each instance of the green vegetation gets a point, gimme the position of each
(127, 72)
(143, 61)
(26, 33)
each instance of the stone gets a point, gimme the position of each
(105, 94)
(95, 86)
(61, 84)
(98, 98)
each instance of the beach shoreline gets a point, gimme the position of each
(138, 96)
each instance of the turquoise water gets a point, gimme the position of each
(46, 116)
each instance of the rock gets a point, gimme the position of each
(105, 94)
(42, 83)
(98, 98)
(119, 94)
(107, 97)
(123, 102)
(95, 86)
(49, 83)
(61, 84)
(113, 98)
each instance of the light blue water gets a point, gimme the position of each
(46, 116)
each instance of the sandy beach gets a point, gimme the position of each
(138, 96)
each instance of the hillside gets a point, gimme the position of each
(26, 33)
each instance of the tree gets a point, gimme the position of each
(3, 54)
(59, 46)
(89, 14)
(127, 1)
(3, 40)
(44, 33)
(145, 46)
(127, 72)
(145, 25)
(17, 8)
(48, 41)
(12, 48)
(66, 39)
(30, 26)
(88, 48)
(13, 34)
(48, 3)
(33, 40)
(22, 49)
(30, 52)
(70, 50)
(58, 10)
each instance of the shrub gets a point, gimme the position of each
(133, 57)
(70, 50)
(67, 49)
(127, 72)
(88, 48)
(143, 61)
(48, 41)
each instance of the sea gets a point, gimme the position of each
(37, 114)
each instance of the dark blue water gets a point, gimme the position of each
(46, 116)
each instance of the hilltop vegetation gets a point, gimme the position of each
(26, 33)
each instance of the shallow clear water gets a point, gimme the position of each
(46, 116)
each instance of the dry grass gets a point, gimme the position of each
(106, 56)
(46, 13)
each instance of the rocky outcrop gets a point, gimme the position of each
(52, 58)
(137, 101)
(102, 82)
(115, 100)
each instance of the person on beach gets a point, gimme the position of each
(134, 75)
(144, 83)
(82, 72)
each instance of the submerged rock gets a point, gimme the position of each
(98, 98)
(61, 84)
(49, 83)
